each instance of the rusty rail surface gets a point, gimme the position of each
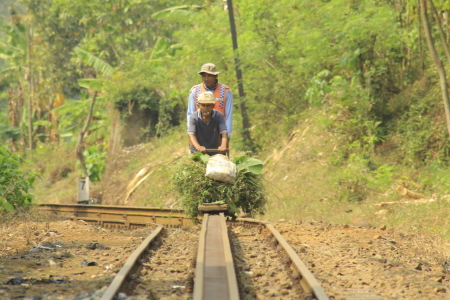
(213, 236)
(120, 216)
(215, 277)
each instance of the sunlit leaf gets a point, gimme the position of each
(90, 83)
(98, 64)
(5, 204)
(181, 11)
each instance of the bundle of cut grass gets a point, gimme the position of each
(247, 194)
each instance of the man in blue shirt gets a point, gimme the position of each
(207, 128)
(222, 94)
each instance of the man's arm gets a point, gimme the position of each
(229, 113)
(191, 107)
(223, 130)
(224, 144)
(192, 129)
(195, 144)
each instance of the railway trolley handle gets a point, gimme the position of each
(227, 152)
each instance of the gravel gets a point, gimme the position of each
(345, 259)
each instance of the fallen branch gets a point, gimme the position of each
(144, 173)
(139, 178)
(383, 204)
(405, 192)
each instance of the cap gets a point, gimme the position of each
(206, 98)
(209, 68)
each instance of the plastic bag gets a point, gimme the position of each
(220, 168)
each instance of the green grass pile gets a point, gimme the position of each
(246, 195)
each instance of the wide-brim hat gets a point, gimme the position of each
(206, 98)
(209, 68)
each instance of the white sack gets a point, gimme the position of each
(220, 168)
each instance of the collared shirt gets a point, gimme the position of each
(208, 135)
(228, 109)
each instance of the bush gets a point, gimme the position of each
(14, 184)
(246, 194)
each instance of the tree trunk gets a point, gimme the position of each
(441, 31)
(245, 121)
(405, 192)
(421, 47)
(446, 24)
(15, 108)
(31, 92)
(80, 145)
(437, 61)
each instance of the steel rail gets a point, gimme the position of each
(119, 280)
(308, 282)
(123, 216)
(215, 277)
(109, 209)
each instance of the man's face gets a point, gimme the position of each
(208, 79)
(206, 109)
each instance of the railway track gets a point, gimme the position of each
(56, 258)
(129, 217)
(218, 273)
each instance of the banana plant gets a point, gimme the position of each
(14, 50)
(93, 85)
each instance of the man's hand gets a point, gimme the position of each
(222, 149)
(201, 149)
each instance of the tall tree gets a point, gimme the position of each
(437, 61)
(245, 120)
(437, 19)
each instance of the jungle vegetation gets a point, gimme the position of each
(100, 75)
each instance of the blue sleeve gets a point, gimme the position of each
(191, 108)
(222, 126)
(229, 111)
(191, 125)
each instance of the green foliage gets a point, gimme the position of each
(140, 92)
(95, 162)
(73, 116)
(360, 176)
(420, 133)
(98, 64)
(381, 178)
(352, 181)
(246, 164)
(198, 156)
(194, 188)
(353, 60)
(365, 51)
(434, 179)
(319, 88)
(14, 183)
(9, 132)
